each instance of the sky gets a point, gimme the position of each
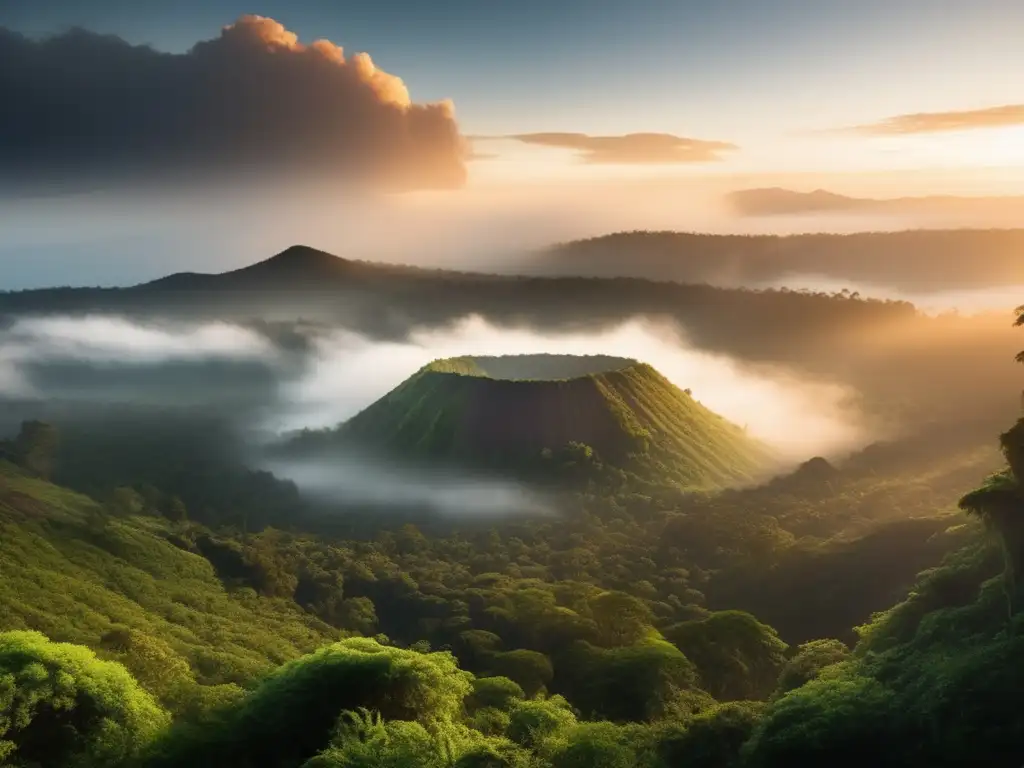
(877, 97)
(736, 70)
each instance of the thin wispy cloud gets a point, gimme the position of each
(629, 149)
(941, 122)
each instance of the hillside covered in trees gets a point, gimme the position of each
(912, 260)
(752, 627)
(168, 601)
(531, 415)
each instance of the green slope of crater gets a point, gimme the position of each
(540, 412)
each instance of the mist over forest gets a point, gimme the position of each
(341, 454)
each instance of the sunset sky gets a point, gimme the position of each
(874, 97)
(761, 75)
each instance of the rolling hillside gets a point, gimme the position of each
(540, 413)
(73, 569)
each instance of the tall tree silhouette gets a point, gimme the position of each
(999, 502)
(35, 447)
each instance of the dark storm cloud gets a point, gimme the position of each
(88, 107)
(632, 148)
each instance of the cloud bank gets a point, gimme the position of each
(940, 122)
(632, 148)
(85, 109)
(126, 354)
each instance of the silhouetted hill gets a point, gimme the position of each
(295, 266)
(775, 201)
(388, 301)
(812, 475)
(298, 267)
(296, 260)
(554, 416)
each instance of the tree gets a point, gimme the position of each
(494, 692)
(633, 683)
(359, 615)
(808, 662)
(595, 745)
(533, 721)
(848, 715)
(621, 619)
(711, 739)
(530, 669)
(363, 740)
(293, 716)
(473, 646)
(60, 705)
(153, 500)
(125, 501)
(176, 510)
(737, 656)
(97, 519)
(498, 754)
(999, 502)
(154, 664)
(35, 448)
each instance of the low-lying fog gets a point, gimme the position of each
(367, 484)
(103, 358)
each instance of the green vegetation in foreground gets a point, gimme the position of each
(608, 425)
(578, 643)
(932, 682)
(558, 645)
(74, 570)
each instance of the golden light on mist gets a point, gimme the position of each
(994, 147)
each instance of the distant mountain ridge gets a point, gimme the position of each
(776, 201)
(913, 260)
(297, 266)
(532, 414)
(388, 302)
(919, 260)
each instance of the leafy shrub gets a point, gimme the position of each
(61, 706)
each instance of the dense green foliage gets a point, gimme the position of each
(150, 625)
(589, 640)
(930, 683)
(74, 570)
(60, 705)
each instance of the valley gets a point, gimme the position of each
(650, 569)
(511, 385)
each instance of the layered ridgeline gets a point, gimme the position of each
(551, 416)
